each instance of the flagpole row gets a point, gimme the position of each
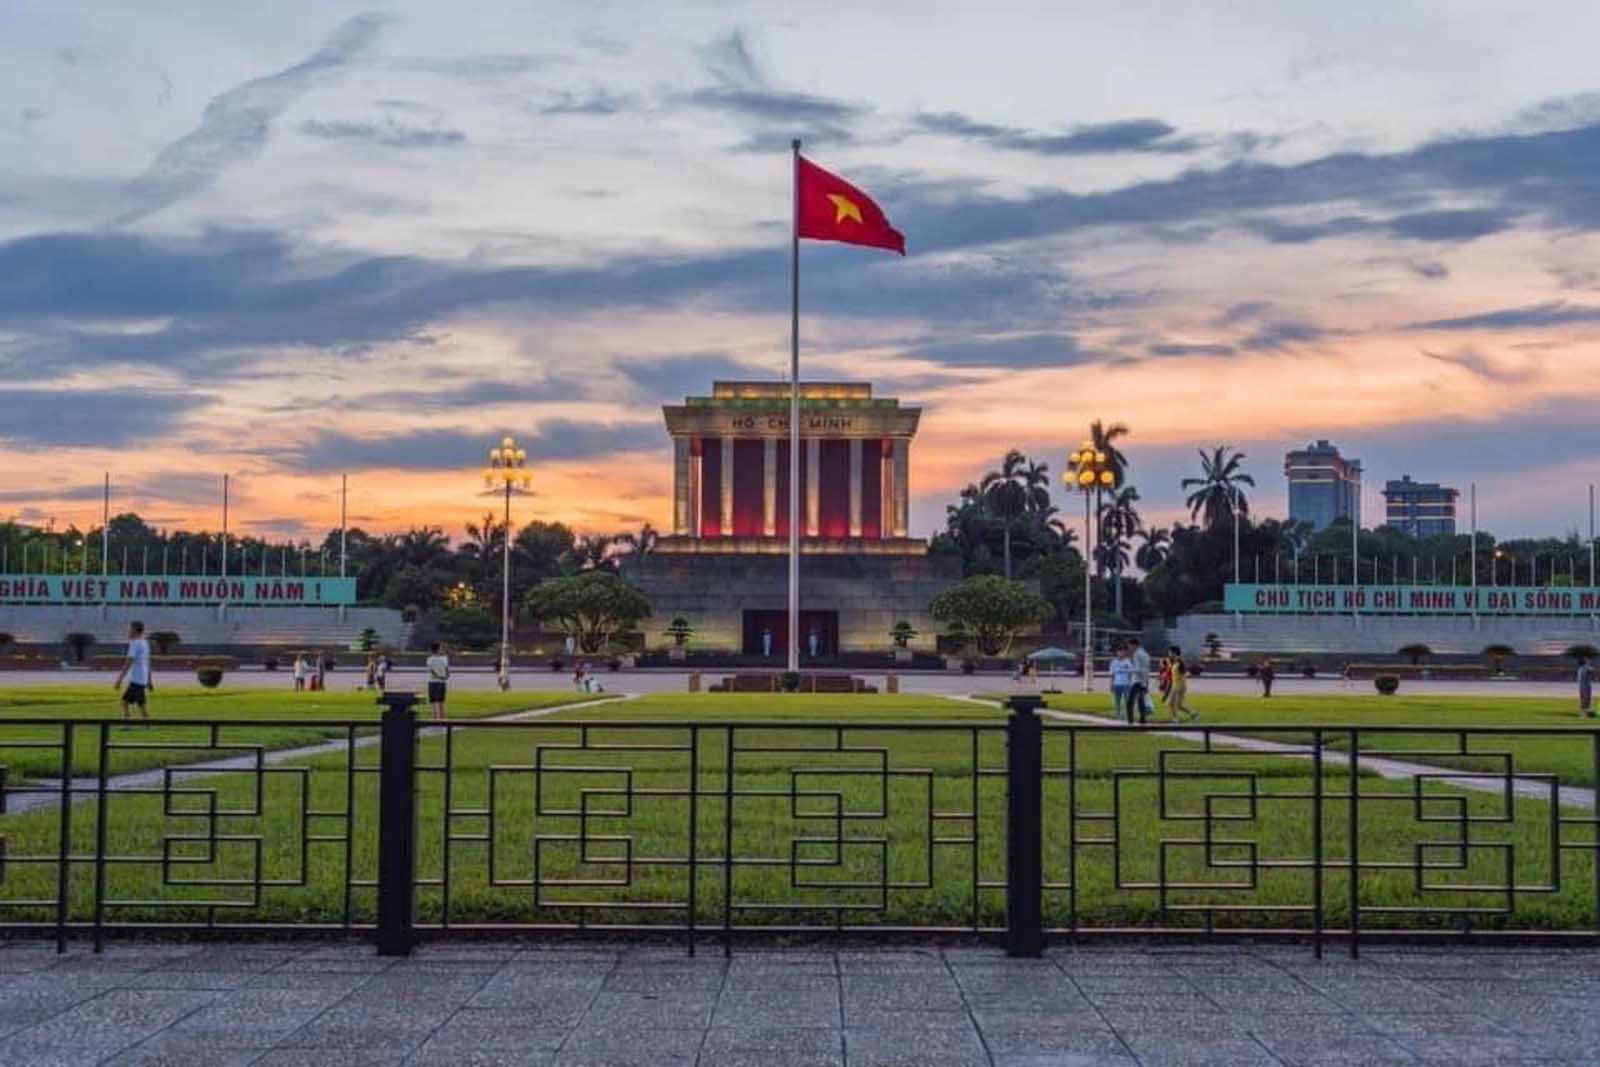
(794, 412)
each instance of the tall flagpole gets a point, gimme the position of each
(794, 414)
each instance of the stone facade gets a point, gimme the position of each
(869, 593)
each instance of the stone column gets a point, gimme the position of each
(696, 471)
(813, 486)
(681, 477)
(855, 487)
(902, 487)
(727, 486)
(769, 487)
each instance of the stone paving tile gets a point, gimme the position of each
(782, 1007)
(495, 1030)
(747, 1037)
(682, 1011)
(663, 980)
(1360, 1049)
(220, 1004)
(611, 1046)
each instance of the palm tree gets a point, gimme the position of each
(640, 544)
(1036, 486)
(1118, 522)
(1153, 553)
(1104, 439)
(594, 552)
(1006, 492)
(1217, 491)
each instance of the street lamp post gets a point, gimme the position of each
(1089, 470)
(507, 471)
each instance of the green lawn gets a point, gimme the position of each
(930, 827)
(24, 758)
(1543, 749)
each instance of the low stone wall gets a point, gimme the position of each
(1381, 635)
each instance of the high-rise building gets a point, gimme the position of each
(1323, 485)
(1420, 509)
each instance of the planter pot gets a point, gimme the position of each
(953, 663)
(902, 655)
(677, 653)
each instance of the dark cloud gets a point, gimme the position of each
(331, 451)
(1450, 225)
(482, 67)
(596, 102)
(1173, 348)
(92, 418)
(670, 379)
(1480, 365)
(772, 115)
(1024, 352)
(1533, 316)
(1280, 232)
(471, 395)
(1279, 334)
(385, 134)
(236, 125)
(1127, 135)
(91, 491)
(1246, 311)
(1431, 269)
(1551, 176)
(231, 300)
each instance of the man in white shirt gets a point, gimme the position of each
(1139, 690)
(136, 669)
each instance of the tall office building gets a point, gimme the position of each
(1420, 509)
(1323, 485)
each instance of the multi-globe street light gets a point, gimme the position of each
(1089, 470)
(507, 471)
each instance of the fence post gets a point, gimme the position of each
(1024, 828)
(397, 824)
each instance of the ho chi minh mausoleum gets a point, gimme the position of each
(725, 566)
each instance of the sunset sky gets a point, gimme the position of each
(298, 239)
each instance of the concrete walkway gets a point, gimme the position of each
(23, 798)
(575, 1006)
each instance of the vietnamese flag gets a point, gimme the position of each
(828, 208)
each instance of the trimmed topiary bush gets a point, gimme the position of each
(789, 681)
(165, 641)
(1415, 653)
(1387, 684)
(210, 677)
(79, 643)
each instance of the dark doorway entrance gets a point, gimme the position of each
(825, 624)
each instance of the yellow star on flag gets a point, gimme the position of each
(844, 208)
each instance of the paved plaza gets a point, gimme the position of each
(576, 1004)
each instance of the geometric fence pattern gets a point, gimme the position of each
(719, 830)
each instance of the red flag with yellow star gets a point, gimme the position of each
(831, 209)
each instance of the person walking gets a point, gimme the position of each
(1177, 696)
(1585, 688)
(1138, 682)
(382, 674)
(438, 665)
(299, 672)
(322, 672)
(1121, 684)
(136, 669)
(1266, 674)
(372, 673)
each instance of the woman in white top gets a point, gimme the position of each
(1121, 683)
(438, 675)
(299, 673)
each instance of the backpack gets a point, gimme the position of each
(1165, 679)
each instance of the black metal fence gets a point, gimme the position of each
(1019, 830)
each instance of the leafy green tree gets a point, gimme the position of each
(992, 609)
(592, 606)
(1217, 490)
(469, 627)
(423, 587)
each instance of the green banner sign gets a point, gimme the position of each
(1410, 600)
(187, 590)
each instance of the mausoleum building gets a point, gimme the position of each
(724, 567)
